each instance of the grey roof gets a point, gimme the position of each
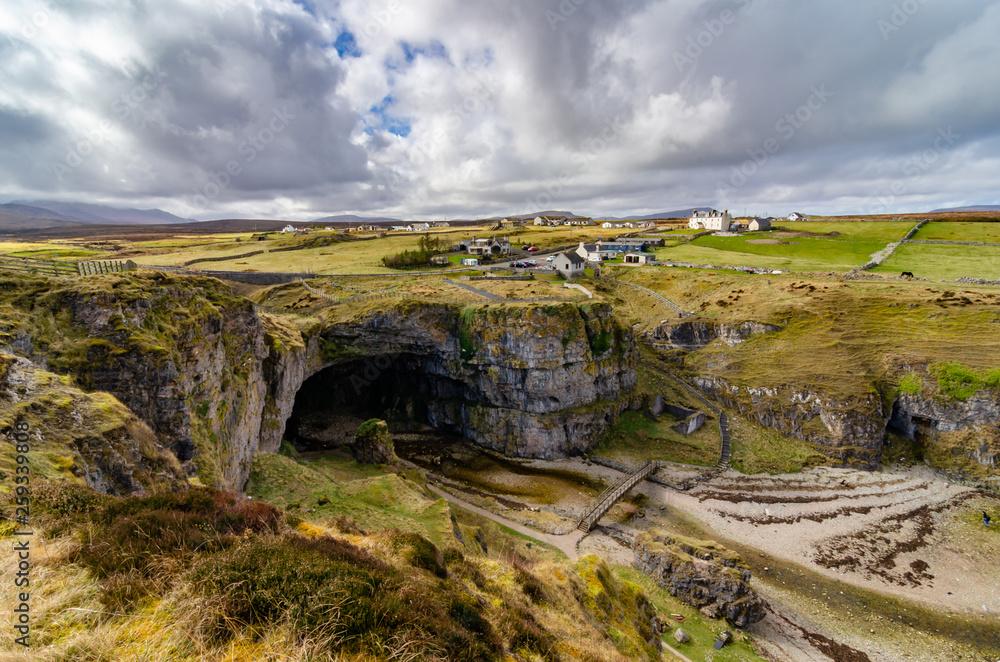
(590, 248)
(574, 258)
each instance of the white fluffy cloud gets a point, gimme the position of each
(430, 108)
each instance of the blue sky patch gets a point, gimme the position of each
(347, 45)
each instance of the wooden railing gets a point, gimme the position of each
(613, 494)
(42, 267)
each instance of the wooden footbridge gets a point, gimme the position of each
(613, 494)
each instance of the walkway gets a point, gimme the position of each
(565, 543)
(613, 494)
(651, 293)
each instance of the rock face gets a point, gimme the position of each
(88, 435)
(182, 353)
(372, 443)
(851, 430)
(695, 335)
(914, 414)
(534, 381)
(702, 574)
(216, 382)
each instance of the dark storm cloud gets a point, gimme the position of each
(441, 107)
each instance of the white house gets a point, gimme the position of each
(595, 252)
(570, 265)
(758, 224)
(489, 246)
(710, 220)
(288, 228)
(796, 216)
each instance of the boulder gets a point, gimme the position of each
(681, 636)
(372, 443)
(702, 574)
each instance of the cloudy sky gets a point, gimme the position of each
(462, 108)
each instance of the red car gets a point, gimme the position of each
(533, 249)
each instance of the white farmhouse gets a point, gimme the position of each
(796, 216)
(710, 220)
(758, 224)
(570, 265)
(288, 228)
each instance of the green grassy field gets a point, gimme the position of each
(943, 262)
(958, 231)
(804, 246)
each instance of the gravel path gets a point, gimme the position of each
(566, 543)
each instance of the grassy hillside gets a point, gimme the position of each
(210, 575)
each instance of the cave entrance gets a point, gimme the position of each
(331, 404)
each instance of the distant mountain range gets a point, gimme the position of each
(678, 213)
(973, 208)
(45, 214)
(351, 219)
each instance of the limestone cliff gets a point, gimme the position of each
(529, 381)
(695, 335)
(216, 381)
(850, 429)
(182, 353)
(978, 417)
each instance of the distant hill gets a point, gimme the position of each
(972, 208)
(679, 213)
(90, 213)
(351, 219)
(25, 217)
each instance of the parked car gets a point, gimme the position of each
(525, 247)
(546, 267)
(550, 258)
(531, 263)
(518, 265)
(532, 249)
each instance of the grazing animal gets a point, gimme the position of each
(986, 518)
(906, 274)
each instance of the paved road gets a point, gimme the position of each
(566, 544)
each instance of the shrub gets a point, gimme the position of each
(137, 544)
(330, 589)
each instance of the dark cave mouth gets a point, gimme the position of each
(331, 404)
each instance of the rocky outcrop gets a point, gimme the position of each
(915, 415)
(216, 381)
(182, 353)
(528, 381)
(91, 436)
(700, 573)
(850, 429)
(692, 336)
(372, 443)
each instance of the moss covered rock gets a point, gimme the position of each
(703, 574)
(372, 443)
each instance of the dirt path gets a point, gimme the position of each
(566, 543)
